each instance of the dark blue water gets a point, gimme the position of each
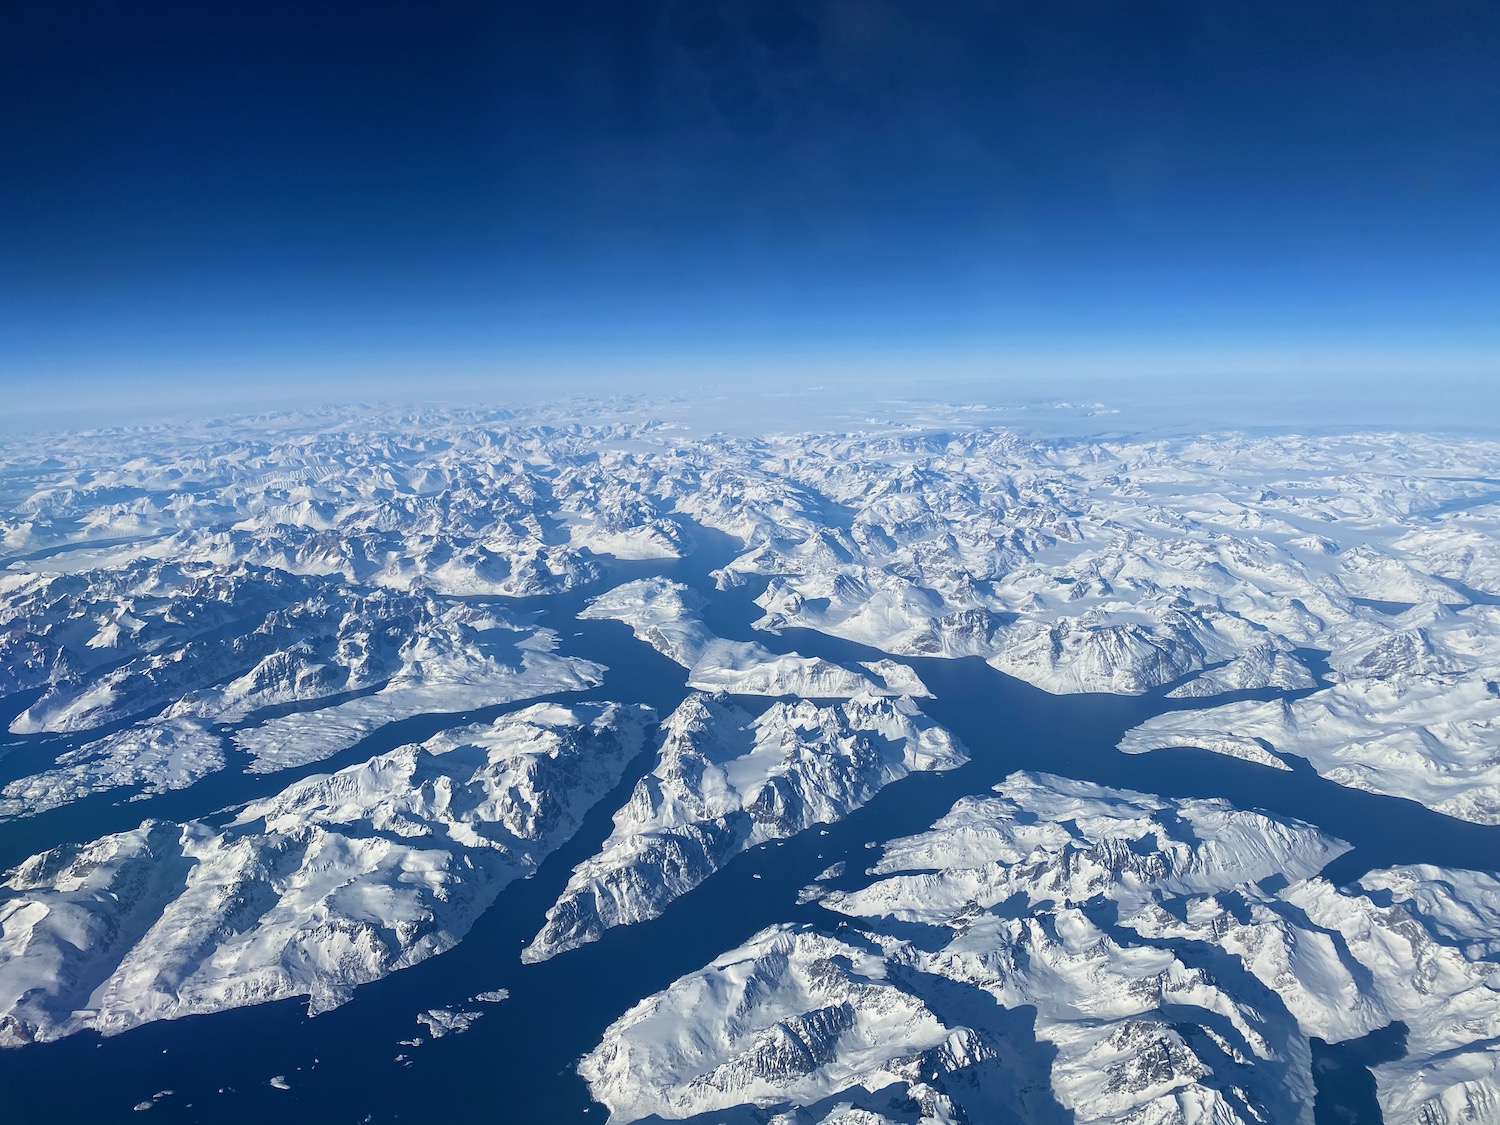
(515, 1065)
(1346, 1088)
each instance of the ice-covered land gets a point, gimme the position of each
(725, 782)
(334, 882)
(306, 580)
(170, 752)
(299, 668)
(246, 598)
(441, 1022)
(1414, 712)
(667, 616)
(1168, 958)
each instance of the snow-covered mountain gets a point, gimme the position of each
(153, 576)
(334, 882)
(1414, 712)
(725, 782)
(1173, 957)
(667, 616)
(220, 608)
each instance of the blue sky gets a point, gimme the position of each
(280, 193)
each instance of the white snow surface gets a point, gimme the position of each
(1074, 901)
(725, 782)
(792, 1015)
(170, 752)
(667, 616)
(1415, 713)
(441, 1022)
(337, 880)
(288, 562)
(306, 647)
(179, 600)
(797, 1015)
(435, 687)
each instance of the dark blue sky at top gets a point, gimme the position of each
(309, 185)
